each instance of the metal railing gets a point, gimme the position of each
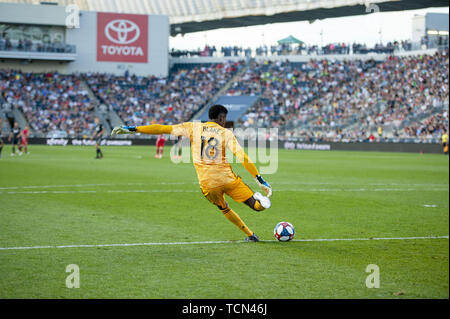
(37, 47)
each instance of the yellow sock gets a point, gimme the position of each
(235, 219)
(258, 206)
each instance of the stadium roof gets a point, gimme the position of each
(200, 15)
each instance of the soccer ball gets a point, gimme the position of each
(284, 231)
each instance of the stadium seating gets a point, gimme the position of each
(295, 49)
(403, 98)
(348, 100)
(51, 102)
(142, 100)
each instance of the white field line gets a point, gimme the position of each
(196, 183)
(306, 190)
(364, 190)
(220, 242)
(349, 183)
(107, 191)
(73, 185)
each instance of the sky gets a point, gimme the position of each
(370, 28)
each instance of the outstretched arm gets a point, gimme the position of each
(246, 162)
(237, 150)
(154, 129)
(182, 129)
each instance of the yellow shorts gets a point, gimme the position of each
(237, 190)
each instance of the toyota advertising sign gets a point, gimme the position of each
(122, 37)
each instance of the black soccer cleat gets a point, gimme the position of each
(253, 238)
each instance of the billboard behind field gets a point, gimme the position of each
(122, 37)
(100, 42)
(115, 43)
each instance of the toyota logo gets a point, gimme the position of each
(122, 31)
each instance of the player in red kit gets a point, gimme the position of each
(159, 146)
(24, 140)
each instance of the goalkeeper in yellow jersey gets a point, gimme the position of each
(209, 142)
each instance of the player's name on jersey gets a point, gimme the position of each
(64, 142)
(211, 129)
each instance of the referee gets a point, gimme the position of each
(1, 140)
(14, 137)
(98, 138)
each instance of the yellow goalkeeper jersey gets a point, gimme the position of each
(209, 142)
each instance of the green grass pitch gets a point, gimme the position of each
(63, 196)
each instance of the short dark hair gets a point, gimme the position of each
(216, 110)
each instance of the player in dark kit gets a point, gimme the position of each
(98, 138)
(1, 140)
(14, 137)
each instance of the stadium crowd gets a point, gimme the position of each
(295, 49)
(433, 127)
(141, 100)
(50, 102)
(402, 97)
(348, 100)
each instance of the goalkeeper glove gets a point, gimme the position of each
(264, 185)
(124, 130)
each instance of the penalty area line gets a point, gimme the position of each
(219, 242)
